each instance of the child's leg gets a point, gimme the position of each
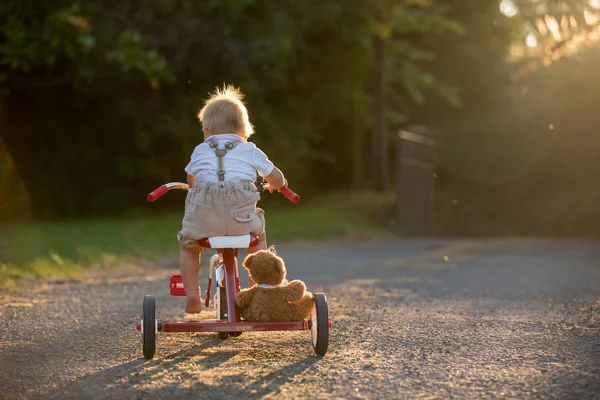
(262, 245)
(189, 266)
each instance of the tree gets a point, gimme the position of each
(396, 28)
(50, 55)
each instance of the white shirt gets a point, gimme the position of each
(240, 163)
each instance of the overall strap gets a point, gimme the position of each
(220, 153)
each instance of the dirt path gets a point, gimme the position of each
(412, 319)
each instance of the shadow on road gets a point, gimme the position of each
(119, 381)
(233, 385)
(181, 375)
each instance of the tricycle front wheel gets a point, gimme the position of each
(149, 327)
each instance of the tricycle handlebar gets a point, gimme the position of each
(289, 194)
(161, 190)
(154, 195)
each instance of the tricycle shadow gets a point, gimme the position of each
(234, 386)
(127, 379)
(274, 380)
(190, 373)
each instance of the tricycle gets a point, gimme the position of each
(224, 266)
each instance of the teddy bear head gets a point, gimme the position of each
(265, 267)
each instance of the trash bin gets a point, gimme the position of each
(414, 181)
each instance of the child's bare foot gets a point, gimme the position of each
(193, 305)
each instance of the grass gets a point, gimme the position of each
(65, 249)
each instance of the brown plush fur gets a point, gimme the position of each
(287, 302)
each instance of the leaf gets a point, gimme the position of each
(380, 29)
(396, 118)
(414, 92)
(154, 84)
(87, 41)
(131, 54)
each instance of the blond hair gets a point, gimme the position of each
(224, 112)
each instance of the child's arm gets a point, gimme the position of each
(275, 179)
(267, 170)
(190, 180)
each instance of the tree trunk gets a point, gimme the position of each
(358, 139)
(379, 138)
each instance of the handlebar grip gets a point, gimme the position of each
(153, 196)
(289, 194)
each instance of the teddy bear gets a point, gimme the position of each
(272, 298)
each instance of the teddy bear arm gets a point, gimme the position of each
(244, 297)
(294, 290)
(304, 307)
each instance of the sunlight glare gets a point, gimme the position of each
(573, 21)
(509, 8)
(542, 29)
(590, 18)
(564, 24)
(552, 25)
(531, 41)
(594, 4)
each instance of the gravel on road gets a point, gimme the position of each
(460, 318)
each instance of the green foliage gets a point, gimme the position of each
(51, 39)
(132, 85)
(101, 97)
(41, 43)
(131, 54)
(405, 24)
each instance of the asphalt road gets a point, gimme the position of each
(507, 318)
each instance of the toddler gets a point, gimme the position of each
(221, 174)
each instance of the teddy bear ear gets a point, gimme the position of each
(249, 260)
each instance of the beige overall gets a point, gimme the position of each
(220, 208)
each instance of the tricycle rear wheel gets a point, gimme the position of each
(149, 326)
(223, 335)
(319, 325)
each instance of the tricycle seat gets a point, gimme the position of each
(230, 242)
